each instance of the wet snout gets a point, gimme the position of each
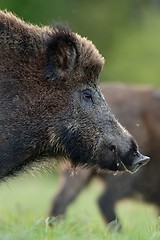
(139, 161)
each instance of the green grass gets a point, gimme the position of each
(25, 201)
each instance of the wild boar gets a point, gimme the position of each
(51, 105)
(137, 108)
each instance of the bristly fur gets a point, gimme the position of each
(84, 47)
(27, 40)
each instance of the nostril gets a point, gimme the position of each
(142, 160)
(113, 148)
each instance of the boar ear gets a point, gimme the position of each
(61, 55)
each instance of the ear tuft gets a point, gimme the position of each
(61, 54)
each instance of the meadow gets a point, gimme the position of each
(25, 201)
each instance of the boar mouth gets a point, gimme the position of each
(121, 166)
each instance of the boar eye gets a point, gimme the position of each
(87, 96)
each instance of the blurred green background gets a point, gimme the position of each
(127, 32)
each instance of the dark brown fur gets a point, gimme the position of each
(138, 109)
(50, 103)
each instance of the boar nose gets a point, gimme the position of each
(139, 161)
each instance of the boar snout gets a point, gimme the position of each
(121, 157)
(139, 161)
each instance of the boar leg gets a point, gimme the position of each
(70, 188)
(117, 187)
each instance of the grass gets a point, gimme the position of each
(24, 203)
